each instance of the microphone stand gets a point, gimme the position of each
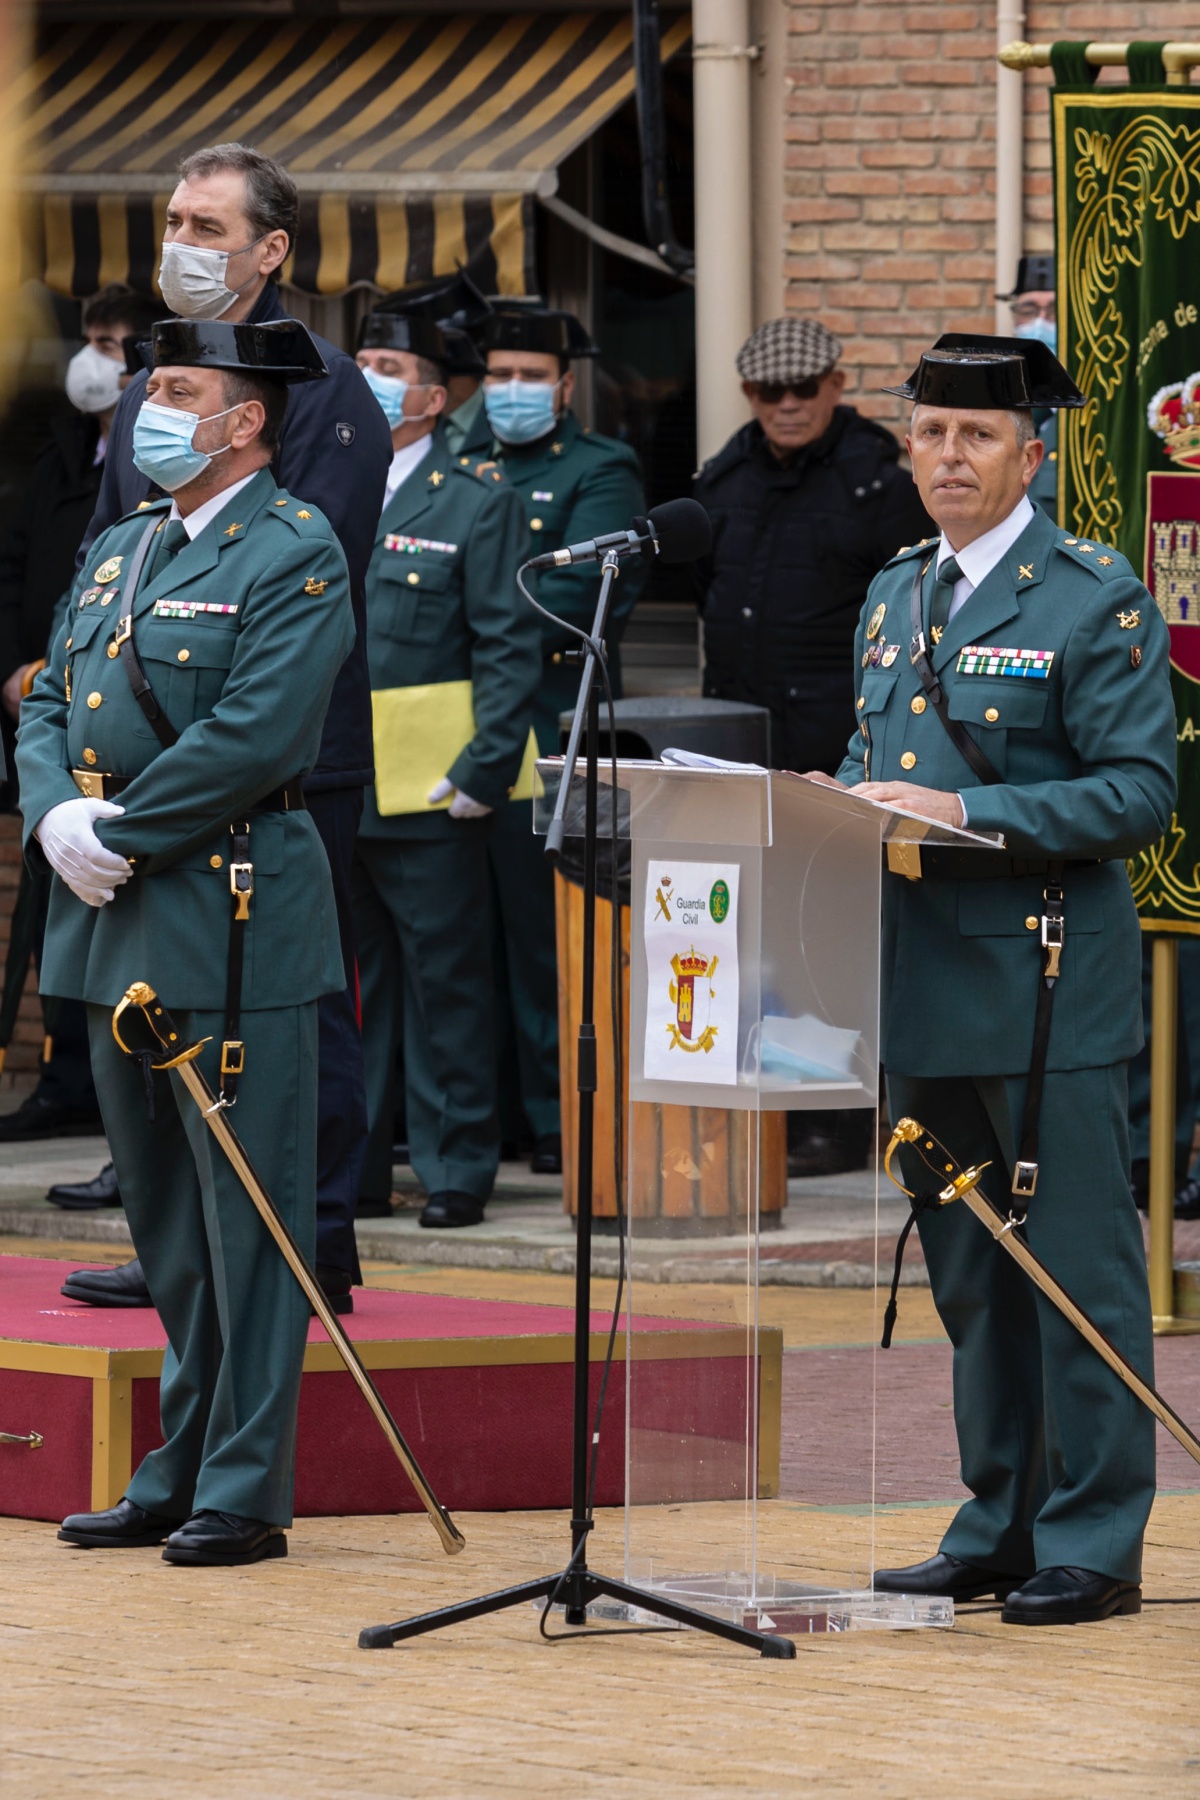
(576, 1585)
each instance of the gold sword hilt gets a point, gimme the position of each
(910, 1131)
(142, 997)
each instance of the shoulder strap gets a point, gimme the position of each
(958, 734)
(143, 693)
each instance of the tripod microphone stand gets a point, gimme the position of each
(577, 1585)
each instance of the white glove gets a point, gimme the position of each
(462, 806)
(75, 852)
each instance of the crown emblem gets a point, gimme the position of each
(1174, 415)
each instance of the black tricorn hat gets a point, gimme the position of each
(139, 354)
(456, 304)
(1035, 275)
(400, 331)
(280, 350)
(516, 327)
(989, 374)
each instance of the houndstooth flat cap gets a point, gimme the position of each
(788, 350)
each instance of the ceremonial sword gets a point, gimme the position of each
(162, 1029)
(964, 1185)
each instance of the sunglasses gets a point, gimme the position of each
(772, 392)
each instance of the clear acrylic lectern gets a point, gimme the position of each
(754, 987)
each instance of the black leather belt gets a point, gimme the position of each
(95, 785)
(931, 862)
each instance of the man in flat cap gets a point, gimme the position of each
(162, 755)
(1013, 677)
(807, 502)
(455, 655)
(575, 484)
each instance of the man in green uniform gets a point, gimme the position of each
(457, 305)
(575, 485)
(161, 756)
(443, 612)
(1044, 651)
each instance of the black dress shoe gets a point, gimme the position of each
(87, 1196)
(1187, 1200)
(336, 1286)
(122, 1286)
(123, 1526)
(1070, 1597)
(946, 1577)
(224, 1540)
(37, 1118)
(451, 1210)
(365, 1208)
(546, 1158)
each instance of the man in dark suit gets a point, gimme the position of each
(230, 225)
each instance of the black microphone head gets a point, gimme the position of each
(683, 529)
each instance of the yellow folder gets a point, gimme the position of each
(419, 734)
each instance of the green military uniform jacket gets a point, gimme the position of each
(1087, 756)
(576, 485)
(241, 635)
(443, 605)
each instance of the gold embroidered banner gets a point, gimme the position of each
(1127, 214)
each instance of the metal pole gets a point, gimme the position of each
(724, 227)
(1010, 160)
(1164, 1007)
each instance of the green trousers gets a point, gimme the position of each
(1057, 1453)
(424, 958)
(235, 1318)
(524, 928)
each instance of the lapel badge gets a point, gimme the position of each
(935, 632)
(1135, 656)
(231, 530)
(876, 655)
(436, 479)
(313, 586)
(1025, 572)
(556, 449)
(1129, 620)
(877, 618)
(108, 570)
(890, 653)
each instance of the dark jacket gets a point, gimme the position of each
(794, 550)
(335, 451)
(37, 557)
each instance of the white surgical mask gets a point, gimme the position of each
(192, 280)
(93, 380)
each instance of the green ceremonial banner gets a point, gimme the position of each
(1127, 218)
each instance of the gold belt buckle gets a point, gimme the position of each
(90, 783)
(233, 1056)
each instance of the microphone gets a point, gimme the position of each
(677, 531)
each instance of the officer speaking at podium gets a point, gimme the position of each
(1013, 677)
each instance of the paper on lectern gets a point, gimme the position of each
(690, 936)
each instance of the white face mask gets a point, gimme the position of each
(93, 380)
(192, 280)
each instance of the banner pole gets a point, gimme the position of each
(1164, 1010)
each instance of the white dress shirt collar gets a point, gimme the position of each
(979, 558)
(404, 462)
(204, 515)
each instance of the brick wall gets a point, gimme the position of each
(26, 1046)
(890, 165)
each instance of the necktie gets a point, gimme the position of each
(174, 537)
(943, 593)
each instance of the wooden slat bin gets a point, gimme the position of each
(691, 1164)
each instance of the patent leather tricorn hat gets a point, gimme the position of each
(989, 374)
(279, 350)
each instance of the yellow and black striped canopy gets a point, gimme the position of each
(416, 143)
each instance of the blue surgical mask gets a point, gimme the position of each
(1044, 330)
(162, 445)
(390, 391)
(519, 412)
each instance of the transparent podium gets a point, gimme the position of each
(752, 1456)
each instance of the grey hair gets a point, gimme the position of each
(1022, 419)
(272, 203)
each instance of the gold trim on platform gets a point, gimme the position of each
(112, 1440)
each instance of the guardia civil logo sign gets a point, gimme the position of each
(718, 902)
(689, 933)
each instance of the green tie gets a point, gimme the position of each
(943, 593)
(173, 539)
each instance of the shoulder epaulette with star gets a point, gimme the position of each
(1104, 562)
(486, 472)
(304, 520)
(908, 550)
